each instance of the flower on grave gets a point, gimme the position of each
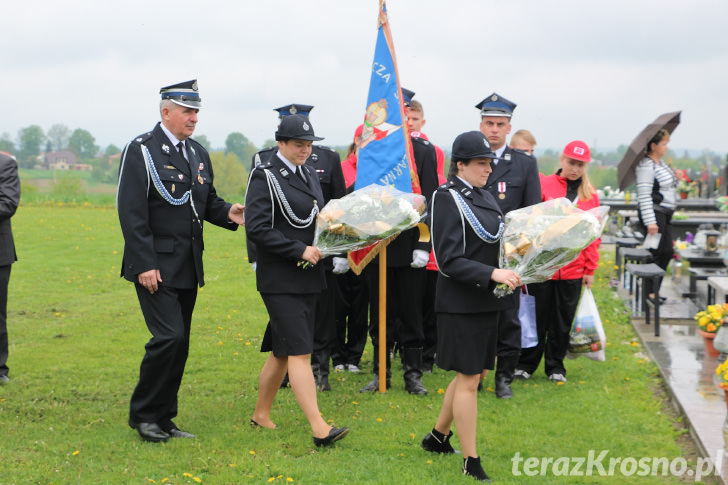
(710, 319)
(722, 372)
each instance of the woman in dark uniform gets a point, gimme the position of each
(466, 225)
(282, 201)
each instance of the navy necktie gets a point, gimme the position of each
(299, 172)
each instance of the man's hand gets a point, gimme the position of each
(150, 280)
(237, 214)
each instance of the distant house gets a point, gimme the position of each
(61, 160)
(114, 160)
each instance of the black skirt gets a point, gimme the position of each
(291, 325)
(467, 342)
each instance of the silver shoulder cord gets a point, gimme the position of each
(275, 189)
(478, 229)
(161, 190)
(432, 231)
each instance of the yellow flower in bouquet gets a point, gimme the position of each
(710, 319)
(722, 372)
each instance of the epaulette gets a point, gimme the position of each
(324, 147)
(446, 185)
(142, 138)
(420, 140)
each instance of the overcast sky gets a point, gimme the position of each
(591, 70)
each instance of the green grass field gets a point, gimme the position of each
(77, 338)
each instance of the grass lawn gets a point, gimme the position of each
(77, 337)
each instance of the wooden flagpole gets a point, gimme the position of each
(383, 320)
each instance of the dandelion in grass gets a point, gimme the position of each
(355, 402)
(220, 342)
(252, 452)
(429, 462)
(151, 480)
(560, 383)
(165, 480)
(188, 475)
(271, 479)
(441, 391)
(233, 465)
(412, 436)
(75, 453)
(197, 479)
(289, 479)
(626, 378)
(379, 420)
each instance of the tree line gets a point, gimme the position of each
(233, 161)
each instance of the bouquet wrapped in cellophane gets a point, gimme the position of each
(365, 217)
(542, 238)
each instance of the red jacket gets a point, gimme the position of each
(553, 187)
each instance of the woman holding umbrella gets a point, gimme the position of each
(656, 197)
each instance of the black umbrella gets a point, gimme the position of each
(638, 148)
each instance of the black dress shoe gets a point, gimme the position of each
(334, 435)
(150, 431)
(173, 431)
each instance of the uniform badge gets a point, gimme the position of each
(165, 149)
(507, 156)
(139, 139)
(284, 172)
(199, 179)
(181, 177)
(201, 167)
(305, 126)
(170, 167)
(173, 187)
(293, 109)
(494, 97)
(502, 190)
(314, 157)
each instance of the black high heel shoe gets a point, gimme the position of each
(334, 435)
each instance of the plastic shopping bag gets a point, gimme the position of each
(527, 316)
(587, 336)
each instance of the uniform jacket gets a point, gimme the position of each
(326, 163)
(519, 173)
(399, 251)
(464, 284)
(9, 200)
(156, 233)
(553, 187)
(280, 244)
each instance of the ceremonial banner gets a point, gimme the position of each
(384, 156)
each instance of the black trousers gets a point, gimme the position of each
(556, 302)
(509, 328)
(324, 333)
(665, 250)
(4, 281)
(168, 315)
(429, 318)
(405, 290)
(352, 314)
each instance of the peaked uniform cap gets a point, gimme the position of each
(293, 109)
(184, 94)
(496, 105)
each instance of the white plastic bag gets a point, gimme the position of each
(587, 336)
(527, 316)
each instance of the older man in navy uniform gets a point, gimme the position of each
(514, 183)
(165, 194)
(326, 163)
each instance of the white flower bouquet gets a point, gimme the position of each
(542, 238)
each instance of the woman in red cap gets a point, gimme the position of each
(557, 299)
